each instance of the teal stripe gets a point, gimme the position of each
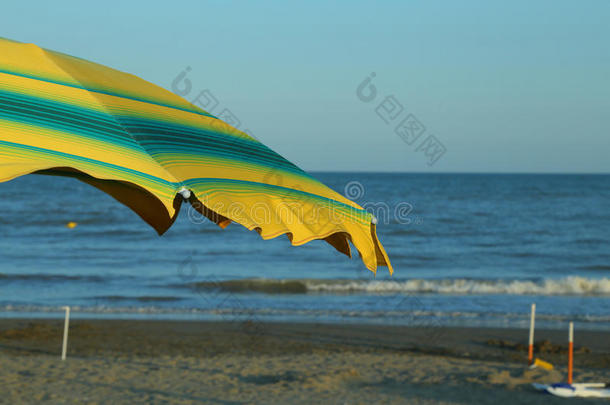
(57, 105)
(80, 121)
(143, 135)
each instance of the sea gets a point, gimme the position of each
(473, 250)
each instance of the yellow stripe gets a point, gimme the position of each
(65, 141)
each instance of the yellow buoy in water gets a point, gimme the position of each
(71, 225)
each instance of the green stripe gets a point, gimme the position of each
(58, 116)
(153, 137)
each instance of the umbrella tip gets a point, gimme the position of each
(373, 219)
(185, 193)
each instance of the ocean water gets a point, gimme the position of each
(468, 249)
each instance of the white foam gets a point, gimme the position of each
(563, 286)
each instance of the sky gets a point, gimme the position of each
(469, 86)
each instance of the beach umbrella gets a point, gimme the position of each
(151, 149)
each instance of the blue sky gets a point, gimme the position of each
(515, 86)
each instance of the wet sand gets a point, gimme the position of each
(126, 361)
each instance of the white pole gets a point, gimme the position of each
(530, 355)
(64, 346)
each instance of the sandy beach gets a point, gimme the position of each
(304, 202)
(126, 361)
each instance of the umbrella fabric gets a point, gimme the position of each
(143, 145)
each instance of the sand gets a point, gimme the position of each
(124, 361)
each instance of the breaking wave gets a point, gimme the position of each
(561, 286)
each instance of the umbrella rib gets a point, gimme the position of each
(103, 106)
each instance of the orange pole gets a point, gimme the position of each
(530, 349)
(570, 353)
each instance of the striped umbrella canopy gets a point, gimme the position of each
(151, 149)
